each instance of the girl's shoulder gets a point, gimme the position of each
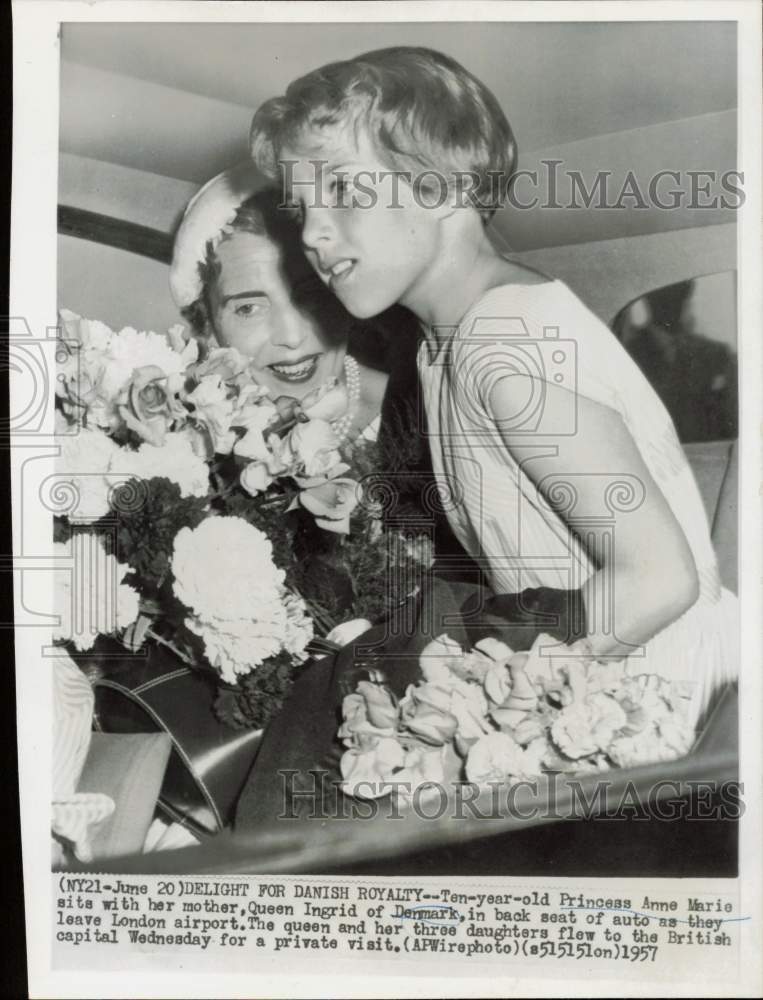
(515, 309)
(527, 287)
(529, 308)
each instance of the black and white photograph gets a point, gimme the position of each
(383, 464)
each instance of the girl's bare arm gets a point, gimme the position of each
(645, 574)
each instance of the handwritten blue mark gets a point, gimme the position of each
(654, 916)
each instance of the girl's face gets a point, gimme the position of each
(371, 240)
(269, 311)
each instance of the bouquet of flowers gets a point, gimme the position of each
(490, 715)
(210, 493)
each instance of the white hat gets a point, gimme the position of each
(207, 218)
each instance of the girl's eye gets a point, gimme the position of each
(248, 310)
(341, 188)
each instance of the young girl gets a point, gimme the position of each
(567, 467)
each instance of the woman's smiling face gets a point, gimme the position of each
(275, 312)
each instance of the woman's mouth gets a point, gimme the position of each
(296, 371)
(341, 271)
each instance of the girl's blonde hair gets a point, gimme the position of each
(422, 110)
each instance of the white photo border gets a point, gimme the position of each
(33, 296)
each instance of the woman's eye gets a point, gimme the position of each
(247, 310)
(294, 211)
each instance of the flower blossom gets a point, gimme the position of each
(174, 460)
(369, 714)
(149, 404)
(252, 616)
(314, 445)
(130, 349)
(84, 461)
(440, 659)
(425, 713)
(496, 757)
(331, 503)
(96, 365)
(367, 773)
(213, 410)
(587, 726)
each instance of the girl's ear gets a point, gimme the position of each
(432, 192)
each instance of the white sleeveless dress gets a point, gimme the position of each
(499, 515)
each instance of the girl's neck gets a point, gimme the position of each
(458, 279)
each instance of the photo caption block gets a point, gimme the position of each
(661, 933)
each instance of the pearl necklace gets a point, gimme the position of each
(341, 426)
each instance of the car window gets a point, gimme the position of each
(684, 338)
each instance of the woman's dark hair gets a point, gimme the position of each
(261, 215)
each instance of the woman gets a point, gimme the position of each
(241, 280)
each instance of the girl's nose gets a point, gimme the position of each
(316, 228)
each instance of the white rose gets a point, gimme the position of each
(587, 726)
(366, 773)
(439, 658)
(253, 409)
(497, 757)
(469, 705)
(497, 684)
(315, 446)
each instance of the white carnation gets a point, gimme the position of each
(128, 603)
(299, 626)
(90, 597)
(248, 615)
(245, 580)
(88, 335)
(238, 646)
(84, 461)
(130, 349)
(175, 460)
